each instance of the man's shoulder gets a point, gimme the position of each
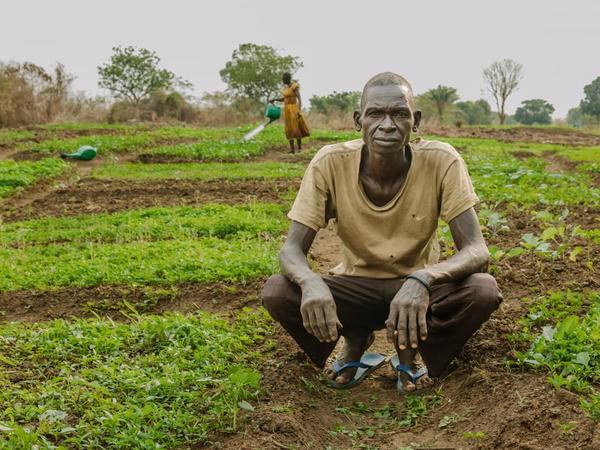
(336, 151)
(435, 149)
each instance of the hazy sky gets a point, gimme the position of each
(342, 43)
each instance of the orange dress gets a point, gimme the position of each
(295, 124)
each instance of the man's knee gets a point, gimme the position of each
(487, 296)
(277, 293)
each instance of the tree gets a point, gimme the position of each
(590, 105)
(338, 101)
(442, 97)
(534, 111)
(133, 74)
(502, 78)
(476, 112)
(255, 71)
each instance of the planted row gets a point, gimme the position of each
(152, 224)
(200, 172)
(15, 175)
(158, 381)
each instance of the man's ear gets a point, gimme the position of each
(417, 120)
(357, 122)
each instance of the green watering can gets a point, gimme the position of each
(83, 153)
(272, 112)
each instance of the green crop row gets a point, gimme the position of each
(15, 175)
(148, 225)
(562, 330)
(204, 260)
(215, 143)
(9, 136)
(156, 382)
(203, 172)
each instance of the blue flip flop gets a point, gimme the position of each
(367, 364)
(414, 376)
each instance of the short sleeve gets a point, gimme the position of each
(310, 206)
(458, 194)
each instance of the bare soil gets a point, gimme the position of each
(90, 196)
(521, 134)
(111, 301)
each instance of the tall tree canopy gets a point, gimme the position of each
(338, 101)
(534, 111)
(590, 104)
(476, 112)
(502, 78)
(255, 71)
(134, 74)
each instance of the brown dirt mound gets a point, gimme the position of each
(109, 301)
(522, 134)
(96, 196)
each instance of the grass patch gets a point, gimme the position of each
(201, 172)
(562, 330)
(147, 225)
(16, 175)
(157, 382)
(9, 136)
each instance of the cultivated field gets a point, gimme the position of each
(130, 313)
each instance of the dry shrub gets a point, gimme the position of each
(29, 94)
(333, 120)
(220, 109)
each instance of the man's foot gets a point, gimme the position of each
(411, 359)
(353, 349)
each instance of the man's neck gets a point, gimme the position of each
(385, 168)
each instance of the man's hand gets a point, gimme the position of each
(407, 316)
(319, 314)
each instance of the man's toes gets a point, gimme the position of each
(408, 386)
(345, 377)
(424, 381)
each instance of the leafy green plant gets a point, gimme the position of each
(15, 175)
(563, 331)
(150, 225)
(159, 380)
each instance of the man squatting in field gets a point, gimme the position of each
(385, 195)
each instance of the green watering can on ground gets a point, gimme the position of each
(83, 153)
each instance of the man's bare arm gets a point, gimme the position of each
(408, 309)
(318, 308)
(472, 255)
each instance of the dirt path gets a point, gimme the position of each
(90, 196)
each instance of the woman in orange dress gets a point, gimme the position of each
(295, 124)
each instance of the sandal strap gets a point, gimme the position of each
(414, 376)
(351, 364)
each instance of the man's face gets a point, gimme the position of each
(387, 118)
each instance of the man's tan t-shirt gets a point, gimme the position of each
(398, 238)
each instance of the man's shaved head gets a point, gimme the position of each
(387, 79)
